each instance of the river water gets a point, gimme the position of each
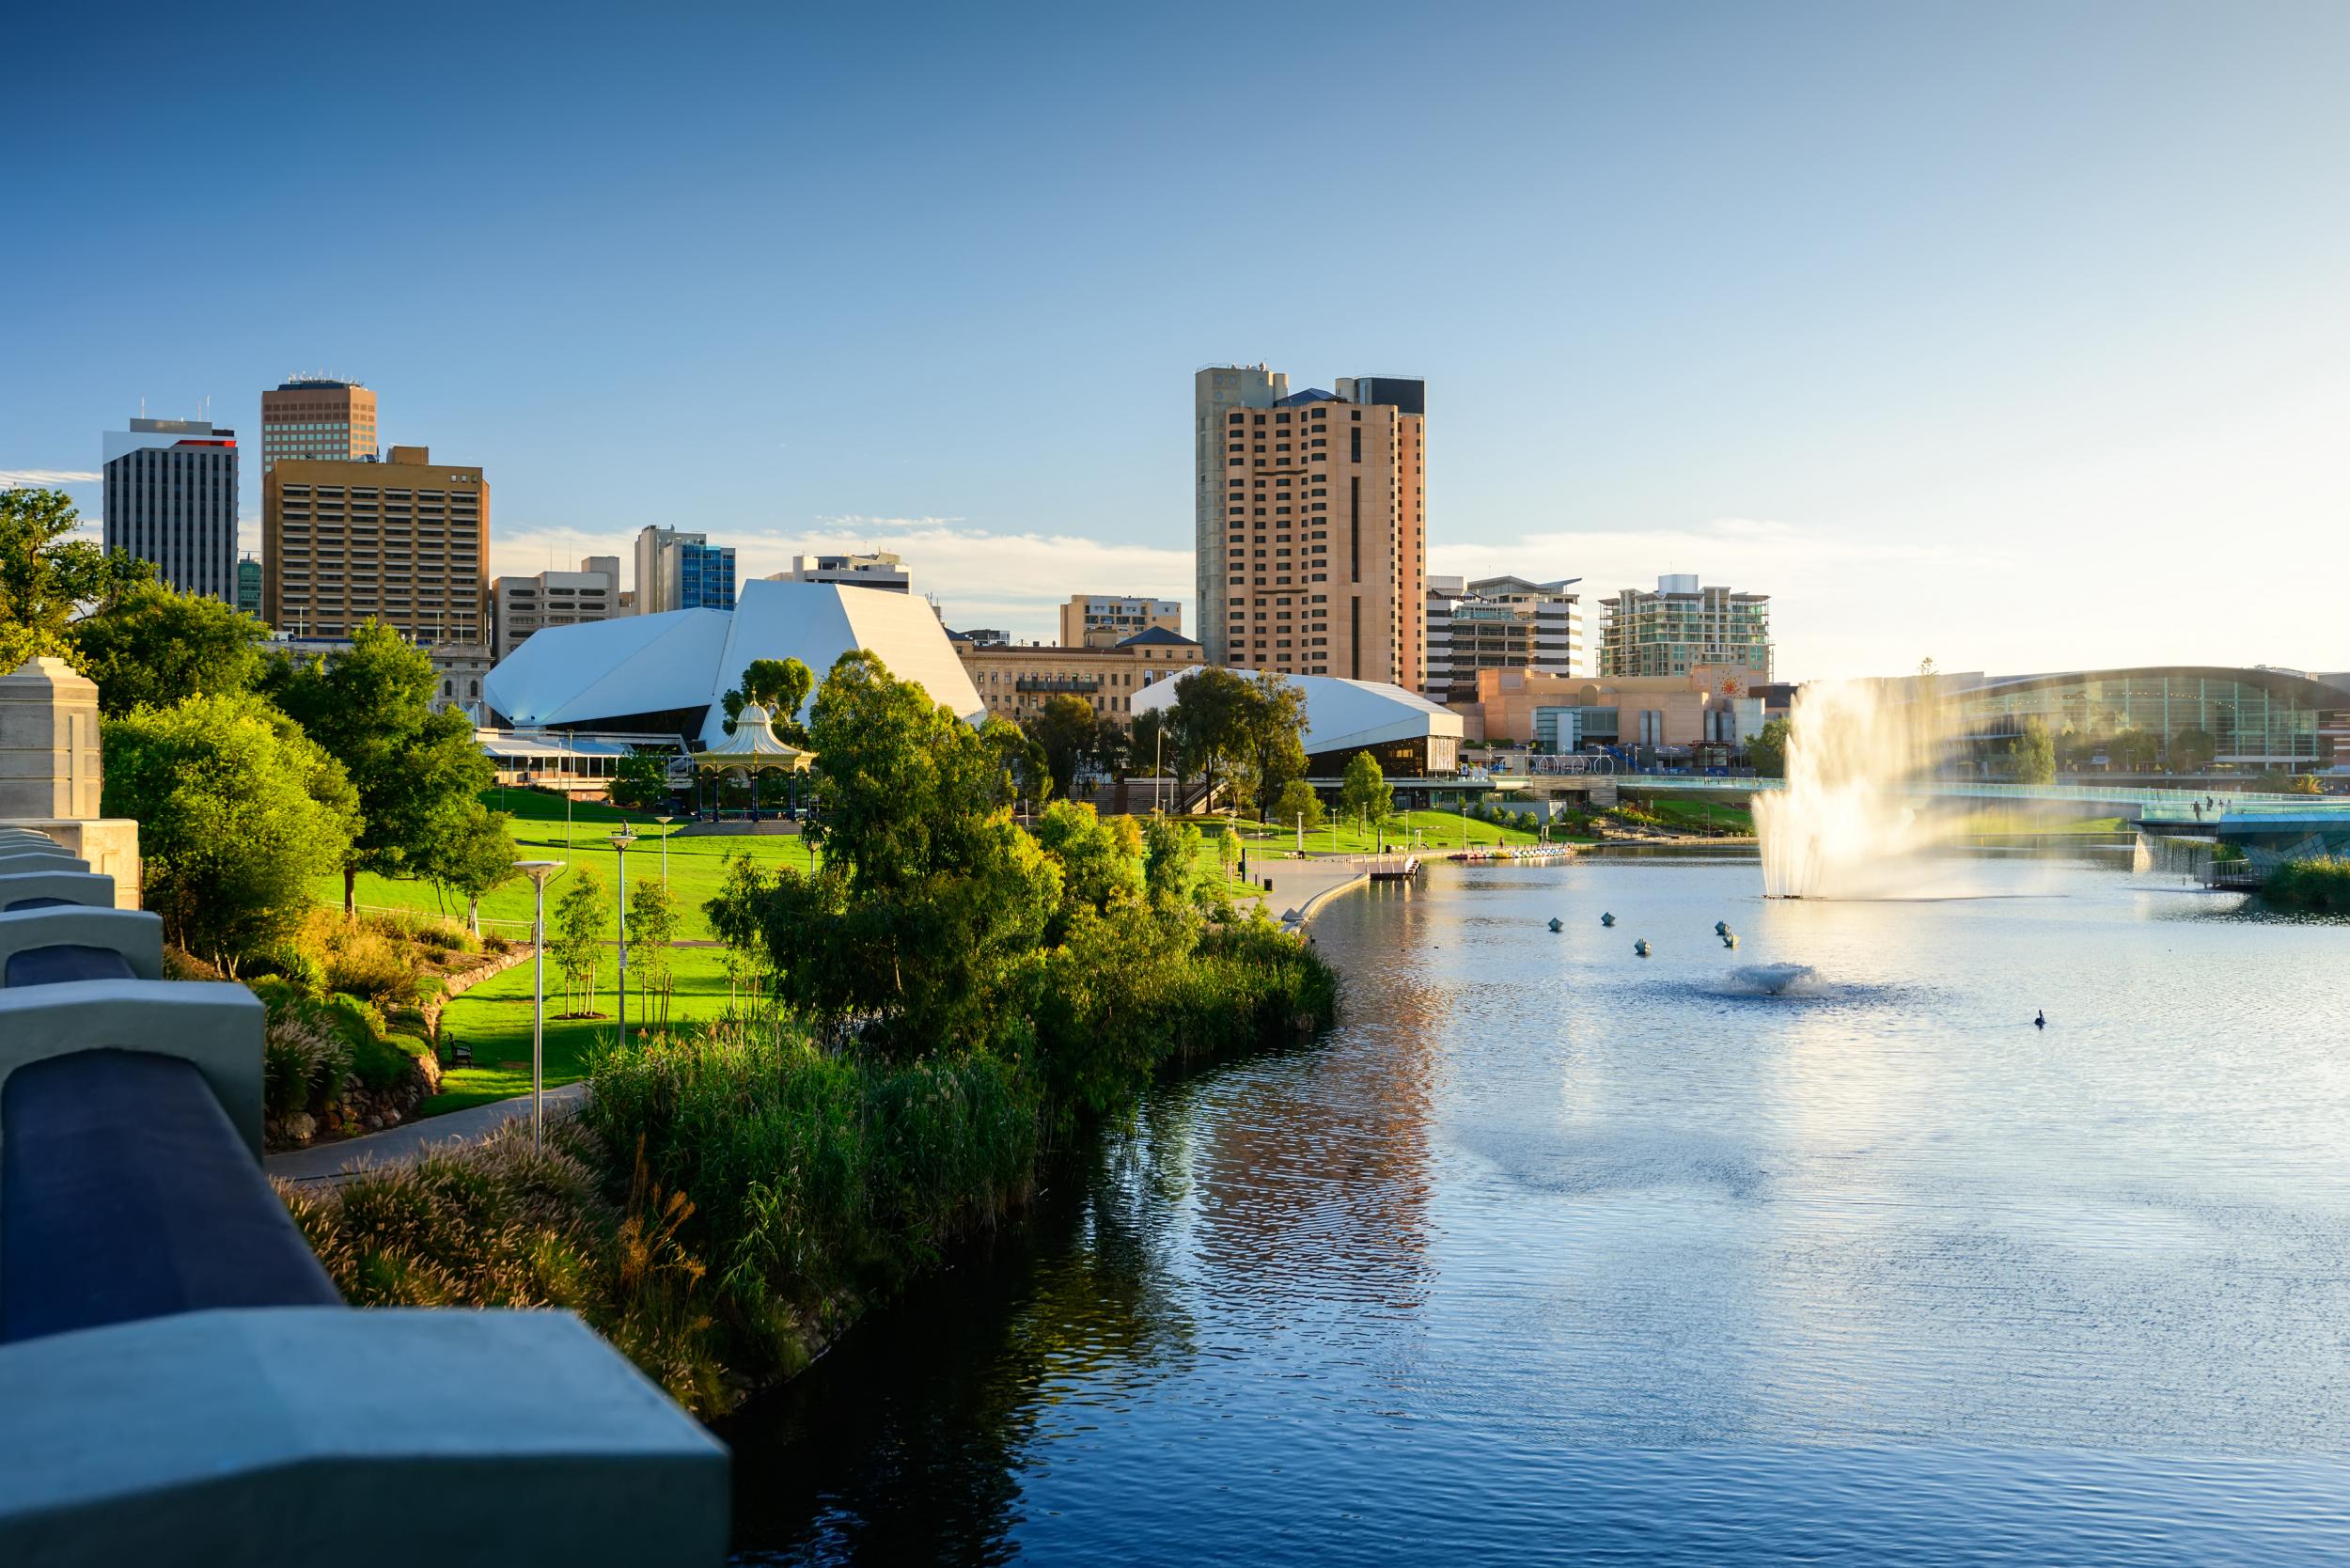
(1553, 1253)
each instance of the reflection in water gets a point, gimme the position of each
(1549, 1250)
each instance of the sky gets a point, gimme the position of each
(2010, 335)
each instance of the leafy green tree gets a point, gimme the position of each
(734, 920)
(1109, 746)
(1297, 803)
(1151, 743)
(1209, 724)
(652, 928)
(2192, 750)
(1272, 724)
(47, 575)
(418, 774)
(475, 860)
(155, 645)
(1228, 845)
(1364, 793)
(2137, 749)
(1022, 770)
(1170, 862)
(576, 939)
(1063, 727)
(1100, 858)
(237, 811)
(919, 930)
(1766, 752)
(2033, 753)
(641, 782)
(1102, 1011)
(778, 686)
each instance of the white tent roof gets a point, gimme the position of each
(1343, 714)
(606, 670)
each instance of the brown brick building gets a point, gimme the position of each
(1016, 680)
(403, 542)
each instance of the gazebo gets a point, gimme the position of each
(754, 748)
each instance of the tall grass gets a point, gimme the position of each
(2320, 885)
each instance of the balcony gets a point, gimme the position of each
(1080, 686)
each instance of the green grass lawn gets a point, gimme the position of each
(1697, 815)
(1440, 831)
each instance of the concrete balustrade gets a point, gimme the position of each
(17, 889)
(133, 933)
(12, 861)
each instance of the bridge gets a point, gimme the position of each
(2149, 803)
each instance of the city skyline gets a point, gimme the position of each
(1963, 359)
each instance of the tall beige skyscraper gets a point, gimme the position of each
(1318, 562)
(316, 416)
(403, 542)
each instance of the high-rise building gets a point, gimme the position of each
(1683, 627)
(521, 605)
(316, 416)
(1216, 391)
(171, 498)
(683, 572)
(249, 587)
(880, 570)
(1498, 624)
(403, 542)
(1321, 567)
(1105, 621)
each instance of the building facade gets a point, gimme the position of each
(1498, 624)
(403, 542)
(1218, 392)
(249, 587)
(1105, 621)
(677, 571)
(458, 670)
(170, 497)
(1322, 566)
(1016, 680)
(521, 605)
(1703, 707)
(316, 416)
(880, 570)
(1684, 627)
(2164, 718)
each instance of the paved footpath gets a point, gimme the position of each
(329, 1163)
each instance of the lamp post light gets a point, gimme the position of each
(1158, 768)
(537, 871)
(665, 820)
(621, 841)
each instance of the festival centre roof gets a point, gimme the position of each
(1341, 715)
(577, 677)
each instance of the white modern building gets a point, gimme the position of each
(171, 498)
(666, 674)
(1498, 624)
(1411, 736)
(880, 570)
(520, 606)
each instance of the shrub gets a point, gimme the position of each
(299, 967)
(365, 963)
(2320, 885)
(302, 1060)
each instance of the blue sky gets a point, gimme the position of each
(2015, 336)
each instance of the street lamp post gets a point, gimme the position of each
(1158, 767)
(537, 871)
(665, 822)
(621, 841)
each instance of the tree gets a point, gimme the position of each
(919, 930)
(2192, 750)
(1022, 771)
(2034, 754)
(641, 781)
(1296, 805)
(154, 645)
(1228, 845)
(47, 575)
(1170, 862)
(1064, 729)
(652, 928)
(778, 686)
(2137, 749)
(1273, 726)
(1364, 793)
(1109, 746)
(1150, 744)
(575, 938)
(1101, 859)
(237, 811)
(477, 858)
(1767, 751)
(1207, 723)
(418, 772)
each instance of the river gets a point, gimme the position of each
(1550, 1252)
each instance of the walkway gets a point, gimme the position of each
(329, 1163)
(1303, 885)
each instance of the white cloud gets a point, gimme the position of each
(45, 478)
(979, 577)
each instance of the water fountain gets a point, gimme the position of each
(1843, 827)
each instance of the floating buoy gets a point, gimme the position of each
(1558, 924)
(1640, 947)
(1721, 928)
(1606, 919)
(1730, 939)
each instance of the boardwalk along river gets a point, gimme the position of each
(1554, 1253)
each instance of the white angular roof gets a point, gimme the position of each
(606, 669)
(1342, 715)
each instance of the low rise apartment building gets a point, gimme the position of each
(521, 605)
(1015, 680)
